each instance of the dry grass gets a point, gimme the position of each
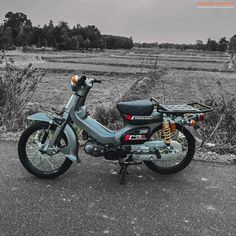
(220, 125)
(17, 87)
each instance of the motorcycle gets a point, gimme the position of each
(158, 135)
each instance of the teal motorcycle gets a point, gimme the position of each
(160, 136)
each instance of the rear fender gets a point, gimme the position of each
(197, 136)
(71, 150)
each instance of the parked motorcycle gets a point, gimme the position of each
(160, 136)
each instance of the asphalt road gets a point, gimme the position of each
(88, 200)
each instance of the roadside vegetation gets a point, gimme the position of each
(219, 130)
(17, 86)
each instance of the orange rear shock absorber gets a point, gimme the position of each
(166, 131)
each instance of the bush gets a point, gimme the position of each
(219, 127)
(109, 117)
(17, 86)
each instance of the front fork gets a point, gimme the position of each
(61, 123)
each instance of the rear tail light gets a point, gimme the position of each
(200, 117)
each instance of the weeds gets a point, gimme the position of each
(109, 117)
(220, 125)
(17, 86)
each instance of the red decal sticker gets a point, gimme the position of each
(128, 117)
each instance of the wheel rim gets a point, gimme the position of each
(176, 136)
(37, 159)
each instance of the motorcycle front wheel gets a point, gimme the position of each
(187, 141)
(34, 159)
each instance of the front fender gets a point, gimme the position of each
(71, 150)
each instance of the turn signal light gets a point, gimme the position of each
(200, 117)
(192, 123)
(173, 127)
(74, 79)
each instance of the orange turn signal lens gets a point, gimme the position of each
(74, 79)
(172, 127)
(193, 123)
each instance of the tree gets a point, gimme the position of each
(18, 30)
(233, 48)
(17, 22)
(38, 37)
(233, 44)
(93, 34)
(222, 44)
(200, 45)
(117, 42)
(48, 31)
(5, 38)
(211, 45)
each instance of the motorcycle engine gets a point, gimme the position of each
(110, 152)
(93, 148)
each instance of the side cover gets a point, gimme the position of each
(70, 151)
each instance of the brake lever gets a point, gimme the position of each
(91, 81)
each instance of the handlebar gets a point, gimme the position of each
(97, 81)
(90, 82)
(78, 82)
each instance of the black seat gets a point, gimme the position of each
(139, 107)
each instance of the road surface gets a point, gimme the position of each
(88, 200)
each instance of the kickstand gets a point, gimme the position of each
(123, 172)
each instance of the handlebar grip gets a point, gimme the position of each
(97, 81)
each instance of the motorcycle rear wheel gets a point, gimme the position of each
(39, 164)
(186, 139)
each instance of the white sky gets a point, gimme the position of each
(177, 21)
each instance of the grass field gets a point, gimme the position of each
(191, 75)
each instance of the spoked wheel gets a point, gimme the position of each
(187, 141)
(37, 161)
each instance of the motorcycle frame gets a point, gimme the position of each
(75, 112)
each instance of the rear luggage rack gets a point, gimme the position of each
(184, 108)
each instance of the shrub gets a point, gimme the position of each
(17, 85)
(109, 117)
(219, 127)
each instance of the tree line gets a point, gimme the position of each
(17, 30)
(211, 45)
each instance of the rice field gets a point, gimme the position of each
(191, 75)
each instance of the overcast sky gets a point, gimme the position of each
(177, 21)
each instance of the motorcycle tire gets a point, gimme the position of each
(161, 167)
(51, 166)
